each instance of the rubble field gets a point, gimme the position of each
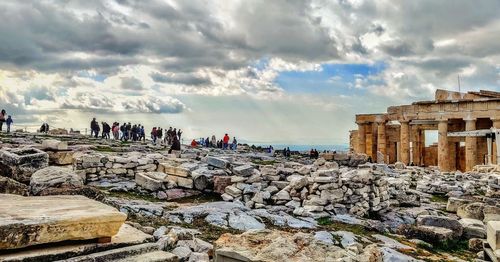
(208, 204)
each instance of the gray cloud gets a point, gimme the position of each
(184, 79)
(131, 83)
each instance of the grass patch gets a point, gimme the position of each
(439, 198)
(331, 225)
(264, 162)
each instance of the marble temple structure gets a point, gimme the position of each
(465, 122)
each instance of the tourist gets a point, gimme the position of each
(234, 145)
(194, 143)
(179, 133)
(93, 127)
(123, 131)
(288, 153)
(106, 129)
(143, 134)
(154, 134)
(169, 135)
(213, 142)
(207, 142)
(128, 129)
(116, 130)
(9, 122)
(44, 128)
(176, 145)
(159, 134)
(2, 118)
(225, 142)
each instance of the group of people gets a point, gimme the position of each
(7, 119)
(313, 154)
(286, 152)
(123, 132)
(170, 136)
(222, 144)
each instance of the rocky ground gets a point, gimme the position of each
(207, 204)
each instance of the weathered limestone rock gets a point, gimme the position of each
(152, 181)
(220, 183)
(244, 170)
(454, 203)
(430, 234)
(493, 234)
(217, 162)
(27, 221)
(19, 164)
(10, 186)
(61, 157)
(472, 210)
(53, 177)
(267, 245)
(441, 221)
(56, 145)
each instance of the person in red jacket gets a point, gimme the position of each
(194, 143)
(225, 141)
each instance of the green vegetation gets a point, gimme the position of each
(330, 225)
(439, 198)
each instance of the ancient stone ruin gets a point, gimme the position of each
(72, 198)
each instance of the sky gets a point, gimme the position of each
(281, 71)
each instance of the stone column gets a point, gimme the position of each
(470, 145)
(361, 138)
(405, 142)
(416, 139)
(496, 151)
(443, 145)
(381, 140)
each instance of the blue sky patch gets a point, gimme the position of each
(339, 79)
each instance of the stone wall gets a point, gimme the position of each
(315, 191)
(95, 166)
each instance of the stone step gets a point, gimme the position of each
(115, 254)
(155, 256)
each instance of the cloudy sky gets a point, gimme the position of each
(264, 71)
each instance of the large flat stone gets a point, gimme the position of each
(152, 181)
(28, 221)
(127, 236)
(52, 144)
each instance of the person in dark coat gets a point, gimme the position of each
(176, 145)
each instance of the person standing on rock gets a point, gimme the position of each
(143, 134)
(176, 145)
(9, 122)
(179, 133)
(2, 118)
(225, 142)
(234, 144)
(213, 142)
(94, 126)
